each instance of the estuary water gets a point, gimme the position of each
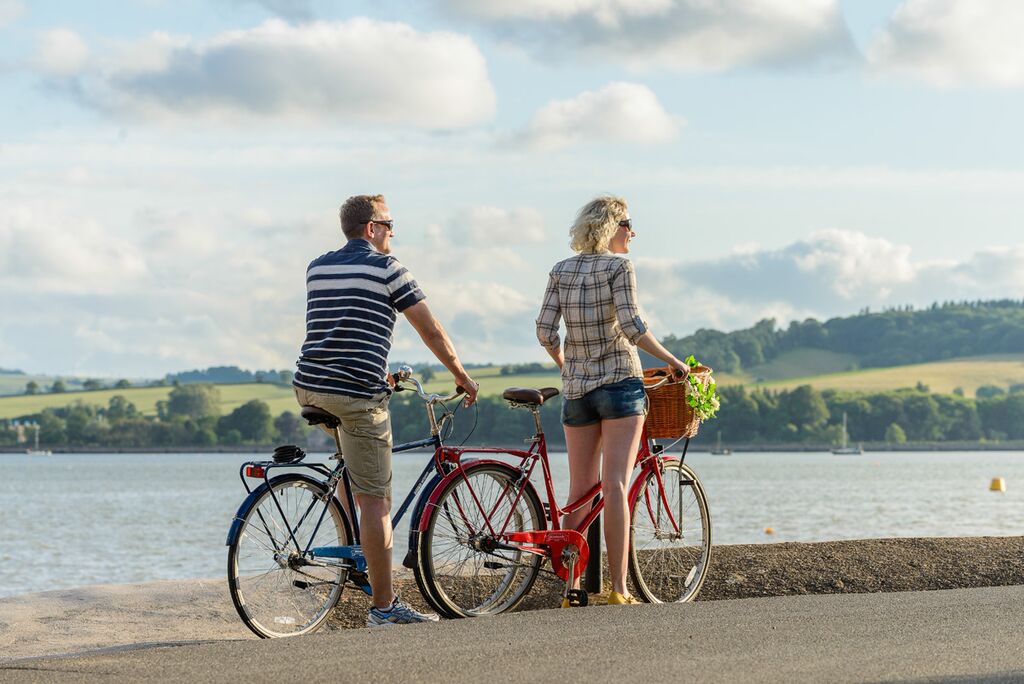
(75, 519)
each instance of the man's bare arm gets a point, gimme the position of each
(434, 336)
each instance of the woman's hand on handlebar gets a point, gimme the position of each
(680, 369)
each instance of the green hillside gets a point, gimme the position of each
(280, 398)
(1000, 370)
(820, 369)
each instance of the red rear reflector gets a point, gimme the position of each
(254, 471)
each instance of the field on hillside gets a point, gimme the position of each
(940, 376)
(15, 384)
(279, 398)
(798, 363)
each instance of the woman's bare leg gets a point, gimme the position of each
(620, 439)
(584, 446)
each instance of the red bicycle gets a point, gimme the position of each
(484, 534)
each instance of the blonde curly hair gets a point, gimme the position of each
(596, 224)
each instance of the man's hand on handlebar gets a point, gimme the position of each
(470, 387)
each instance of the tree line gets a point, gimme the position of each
(893, 337)
(191, 417)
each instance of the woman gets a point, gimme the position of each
(602, 380)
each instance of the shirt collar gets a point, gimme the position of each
(359, 244)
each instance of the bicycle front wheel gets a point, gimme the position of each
(463, 569)
(278, 589)
(670, 535)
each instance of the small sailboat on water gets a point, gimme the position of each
(718, 450)
(37, 451)
(845, 449)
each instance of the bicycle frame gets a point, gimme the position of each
(331, 477)
(648, 460)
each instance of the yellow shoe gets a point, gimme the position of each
(617, 599)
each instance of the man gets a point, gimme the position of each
(354, 294)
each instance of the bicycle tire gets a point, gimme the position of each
(669, 556)
(278, 595)
(452, 573)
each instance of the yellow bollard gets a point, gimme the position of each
(998, 485)
(769, 530)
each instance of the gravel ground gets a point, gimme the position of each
(787, 569)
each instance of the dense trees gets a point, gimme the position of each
(913, 415)
(801, 415)
(889, 338)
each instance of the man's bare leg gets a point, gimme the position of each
(376, 536)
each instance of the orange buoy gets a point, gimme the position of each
(769, 530)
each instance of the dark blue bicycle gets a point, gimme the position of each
(293, 547)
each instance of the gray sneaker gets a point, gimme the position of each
(400, 613)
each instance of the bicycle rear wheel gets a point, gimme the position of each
(277, 588)
(670, 535)
(461, 571)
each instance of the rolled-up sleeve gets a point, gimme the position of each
(627, 310)
(550, 315)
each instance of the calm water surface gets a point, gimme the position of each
(76, 519)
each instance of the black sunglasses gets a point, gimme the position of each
(626, 223)
(390, 223)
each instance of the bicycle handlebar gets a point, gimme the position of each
(673, 378)
(404, 375)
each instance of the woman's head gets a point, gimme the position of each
(597, 223)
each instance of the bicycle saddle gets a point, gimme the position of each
(525, 395)
(316, 416)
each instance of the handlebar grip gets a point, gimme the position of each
(460, 390)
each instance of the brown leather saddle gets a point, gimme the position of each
(529, 396)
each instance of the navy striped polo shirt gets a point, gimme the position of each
(353, 295)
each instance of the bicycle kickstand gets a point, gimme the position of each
(572, 598)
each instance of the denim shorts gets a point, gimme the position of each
(617, 400)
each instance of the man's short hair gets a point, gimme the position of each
(356, 212)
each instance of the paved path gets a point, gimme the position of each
(959, 635)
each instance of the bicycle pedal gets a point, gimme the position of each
(575, 598)
(361, 581)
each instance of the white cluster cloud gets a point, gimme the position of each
(61, 52)
(830, 273)
(10, 11)
(949, 43)
(176, 290)
(618, 112)
(676, 34)
(356, 71)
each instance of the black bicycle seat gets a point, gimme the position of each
(525, 395)
(317, 416)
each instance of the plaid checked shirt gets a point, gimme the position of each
(596, 296)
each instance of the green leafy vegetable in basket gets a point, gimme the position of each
(701, 393)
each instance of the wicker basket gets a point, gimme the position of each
(669, 416)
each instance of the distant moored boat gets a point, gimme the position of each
(844, 449)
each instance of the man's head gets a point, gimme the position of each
(367, 217)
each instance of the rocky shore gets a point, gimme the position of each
(838, 567)
(105, 616)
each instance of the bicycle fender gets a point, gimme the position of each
(435, 493)
(634, 490)
(236, 522)
(417, 513)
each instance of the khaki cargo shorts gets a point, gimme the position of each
(365, 437)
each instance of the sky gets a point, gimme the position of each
(168, 169)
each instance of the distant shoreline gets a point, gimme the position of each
(694, 448)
